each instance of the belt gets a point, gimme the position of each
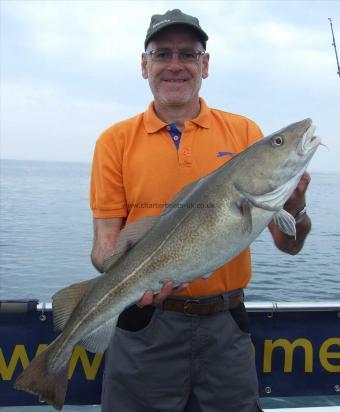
(204, 306)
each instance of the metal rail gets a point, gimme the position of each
(21, 306)
(293, 306)
(262, 306)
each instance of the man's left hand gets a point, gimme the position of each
(296, 202)
(294, 205)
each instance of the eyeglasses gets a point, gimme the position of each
(166, 55)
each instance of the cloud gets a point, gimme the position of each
(71, 68)
(42, 123)
(92, 31)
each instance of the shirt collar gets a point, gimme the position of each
(153, 123)
(203, 119)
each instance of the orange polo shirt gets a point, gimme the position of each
(136, 169)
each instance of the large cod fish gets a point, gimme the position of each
(182, 244)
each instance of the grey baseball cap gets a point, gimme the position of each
(174, 18)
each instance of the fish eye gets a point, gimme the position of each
(277, 141)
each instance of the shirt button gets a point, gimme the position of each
(168, 128)
(176, 138)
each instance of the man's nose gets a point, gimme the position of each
(175, 63)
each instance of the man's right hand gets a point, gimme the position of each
(105, 234)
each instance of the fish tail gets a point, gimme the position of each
(37, 379)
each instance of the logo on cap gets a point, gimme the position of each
(160, 22)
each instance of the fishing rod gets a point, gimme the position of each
(333, 44)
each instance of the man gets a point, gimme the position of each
(179, 350)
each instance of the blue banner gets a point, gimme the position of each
(297, 353)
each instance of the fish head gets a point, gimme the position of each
(291, 149)
(277, 163)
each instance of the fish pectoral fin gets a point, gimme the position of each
(274, 200)
(244, 207)
(65, 301)
(99, 339)
(128, 237)
(264, 201)
(286, 222)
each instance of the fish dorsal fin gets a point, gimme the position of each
(286, 222)
(180, 197)
(99, 339)
(128, 237)
(206, 276)
(65, 301)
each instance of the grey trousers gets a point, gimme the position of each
(180, 363)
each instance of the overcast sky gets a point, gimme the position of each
(70, 69)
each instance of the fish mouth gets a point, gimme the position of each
(308, 142)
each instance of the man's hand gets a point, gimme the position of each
(294, 205)
(149, 298)
(296, 202)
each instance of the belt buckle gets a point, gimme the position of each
(187, 304)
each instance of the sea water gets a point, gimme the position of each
(46, 240)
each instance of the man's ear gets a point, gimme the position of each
(144, 64)
(205, 65)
